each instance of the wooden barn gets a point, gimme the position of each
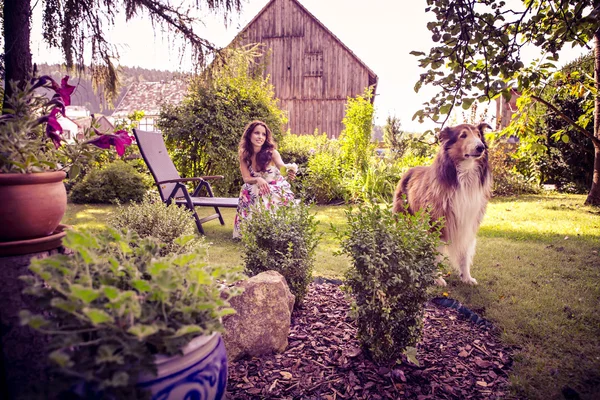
(312, 71)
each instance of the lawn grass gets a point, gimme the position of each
(538, 268)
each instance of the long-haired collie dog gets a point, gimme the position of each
(457, 187)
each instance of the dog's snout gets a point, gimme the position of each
(480, 148)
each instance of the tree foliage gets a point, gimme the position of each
(79, 29)
(568, 158)
(203, 132)
(478, 51)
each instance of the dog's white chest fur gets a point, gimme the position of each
(469, 199)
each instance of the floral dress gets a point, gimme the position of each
(280, 195)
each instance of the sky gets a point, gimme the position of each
(381, 33)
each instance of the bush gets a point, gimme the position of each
(507, 181)
(119, 181)
(323, 181)
(152, 217)
(393, 264)
(376, 184)
(282, 240)
(355, 139)
(299, 148)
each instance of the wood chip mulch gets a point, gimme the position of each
(458, 359)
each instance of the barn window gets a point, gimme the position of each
(313, 64)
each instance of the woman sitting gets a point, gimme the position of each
(260, 163)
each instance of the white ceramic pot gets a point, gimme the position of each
(199, 374)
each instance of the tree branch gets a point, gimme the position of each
(564, 116)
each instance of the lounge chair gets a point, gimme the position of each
(171, 186)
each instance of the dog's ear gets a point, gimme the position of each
(481, 128)
(445, 134)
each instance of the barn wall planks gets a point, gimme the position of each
(312, 71)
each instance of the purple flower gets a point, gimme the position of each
(53, 128)
(120, 139)
(42, 81)
(65, 90)
(58, 103)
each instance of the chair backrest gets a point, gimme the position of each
(154, 151)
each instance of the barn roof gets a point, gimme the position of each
(372, 75)
(150, 96)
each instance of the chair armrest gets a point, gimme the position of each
(200, 178)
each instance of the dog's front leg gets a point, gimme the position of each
(465, 262)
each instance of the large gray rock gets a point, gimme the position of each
(262, 322)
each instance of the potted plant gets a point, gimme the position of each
(34, 158)
(124, 322)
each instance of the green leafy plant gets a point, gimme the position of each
(31, 137)
(394, 137)
(118, 181)
(507, 180)
(323, 181)
(300, 148)
(355, 140)
(283, 240)
(152, 217)
(114, 303)
(394, 262)
(376, 183)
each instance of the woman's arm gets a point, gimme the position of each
(263, 186)
(279, 163)
(277, 159)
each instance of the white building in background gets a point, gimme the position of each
(78, 119)
(149, 97)
(70, 128)
(76, 112)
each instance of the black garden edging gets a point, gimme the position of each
(462, 310)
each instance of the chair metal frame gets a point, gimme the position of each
(174, 191)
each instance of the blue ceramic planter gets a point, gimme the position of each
(199, 374)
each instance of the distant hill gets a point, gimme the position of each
(84, 94)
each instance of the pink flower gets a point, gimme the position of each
(120, 139)
(63, 91)
(53, 128)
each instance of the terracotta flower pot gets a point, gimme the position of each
(32, 204)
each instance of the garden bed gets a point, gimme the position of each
(458, 359)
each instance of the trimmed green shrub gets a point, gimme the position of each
(152, 217)
(393, 264)
(118, 181)
(283, 240)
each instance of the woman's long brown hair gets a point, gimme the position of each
(246, 150)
